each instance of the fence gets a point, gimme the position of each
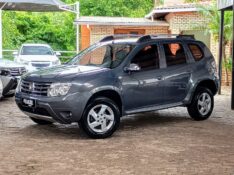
(65, 55)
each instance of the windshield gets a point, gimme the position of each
(107, 56)
(36, 50)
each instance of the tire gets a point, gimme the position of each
(202, 104)
(41, 122)
(101, 118)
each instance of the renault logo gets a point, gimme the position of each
(31, 86)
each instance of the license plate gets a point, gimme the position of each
(29, 103)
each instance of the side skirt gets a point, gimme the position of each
(153, 108)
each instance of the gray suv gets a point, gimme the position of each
(119, 76)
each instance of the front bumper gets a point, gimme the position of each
(64, 110)
(9, 85)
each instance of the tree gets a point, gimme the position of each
(211, 12)
(57, 29)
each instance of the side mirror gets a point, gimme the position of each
(132, 68)
(15, 53)
(58, 54)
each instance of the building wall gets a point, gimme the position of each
(98, 32)
(185, 21)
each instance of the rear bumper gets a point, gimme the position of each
(64, 110)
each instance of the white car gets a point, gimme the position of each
(16, 70)
(37, 56)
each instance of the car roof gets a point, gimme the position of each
(45, 45)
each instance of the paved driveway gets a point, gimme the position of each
(164, 142)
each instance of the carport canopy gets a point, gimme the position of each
(31, 6)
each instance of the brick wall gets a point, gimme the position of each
(185, 21)
(98, 32)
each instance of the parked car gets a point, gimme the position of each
(37, 56)
(8, 84)
(15, 69)
(10, 73)
(121, 76)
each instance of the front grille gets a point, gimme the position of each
(35, 88)
(40, 65)
(17, 71)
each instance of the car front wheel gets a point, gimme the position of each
(202, 104)
(101, 118)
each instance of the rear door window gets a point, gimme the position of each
(174, 53)
(196, 52)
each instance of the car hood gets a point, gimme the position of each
(38, 58)
(10, 64)
(58, 72)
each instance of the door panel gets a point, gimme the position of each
(143, 89)
(178, 72)
(176, 83)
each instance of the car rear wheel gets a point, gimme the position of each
(41, 122)
(101, 118)
(202, 104)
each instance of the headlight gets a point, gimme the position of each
(5, 71)
(58, 89)
(57, 62)
(18, 89)
(24, 61)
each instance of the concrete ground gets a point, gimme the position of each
(164, 142)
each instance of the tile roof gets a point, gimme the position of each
(184, 7)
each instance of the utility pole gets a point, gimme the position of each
(77, 28)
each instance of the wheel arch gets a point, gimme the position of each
(208, 83)
(110, 93)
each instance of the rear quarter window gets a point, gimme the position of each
(196, 52)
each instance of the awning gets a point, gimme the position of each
(31, 5)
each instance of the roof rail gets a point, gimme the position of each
(119, 36)
(151, 37)
(186, 36)
(145, 38)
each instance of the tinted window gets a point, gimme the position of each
(147, 58)
(36, 50)
(196, 52)
(174, 53)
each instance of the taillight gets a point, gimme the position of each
(213, 69)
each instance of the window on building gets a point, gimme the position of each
(174, 53)
(147, 58)
(196, 52)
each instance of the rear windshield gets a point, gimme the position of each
(36, 50)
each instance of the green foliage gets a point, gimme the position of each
(227, 64)
(58, 29)
(130, 8)
(213, 26)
